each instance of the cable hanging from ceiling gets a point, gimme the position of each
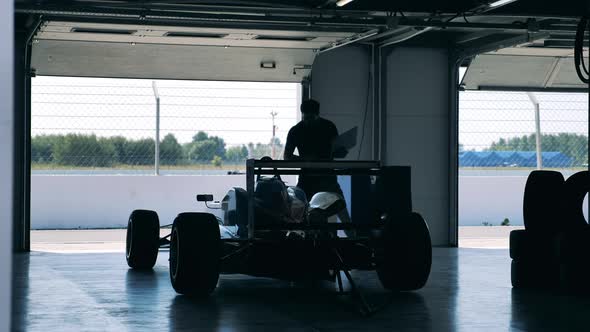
(581, 69)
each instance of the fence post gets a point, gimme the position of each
(535, 102)
(157, 143)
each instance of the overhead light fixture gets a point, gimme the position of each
(500, 3)
(103, 31)
(284, 38)
(268, 65)
(341, 3)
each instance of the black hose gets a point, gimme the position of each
(580, 64)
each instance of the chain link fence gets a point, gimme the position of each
(498, 150)
(108, 126)
(497, 130)
(94, 125)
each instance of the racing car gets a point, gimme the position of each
(271, 230)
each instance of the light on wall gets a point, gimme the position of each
(268, 65)
(500, 3)
(341, 3)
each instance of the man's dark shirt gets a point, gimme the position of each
(313, 139)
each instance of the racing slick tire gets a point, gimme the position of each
(542, 202)
(534, 274)
(403, 256)
(195, 245)
(143, 239)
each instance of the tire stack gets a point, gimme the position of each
(551, 251)
(573, 245)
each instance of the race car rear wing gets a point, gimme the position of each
(375, 190)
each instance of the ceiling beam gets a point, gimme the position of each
(212, 24)
(485, 45)
(473, 36)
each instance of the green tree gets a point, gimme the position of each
(203, 151)
(574, 146)
(260, 150)
(216, 161)
(236, 154)
(84, 150)
(42, 147)
(200, 136)
(140, 152)
(170, 150)
(204, 147)
(119, 144)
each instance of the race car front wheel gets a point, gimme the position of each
(143, 236)
(403, 255)
(195, 246)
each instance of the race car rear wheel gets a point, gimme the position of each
(195, 246)
(143, 236)
(403, 255)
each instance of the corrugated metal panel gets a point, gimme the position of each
(525, 72)
(175, 52)
(154, 61)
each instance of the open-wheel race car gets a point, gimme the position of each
(271, 230)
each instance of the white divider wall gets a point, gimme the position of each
(6, 150)
(416, 98)
(340, 83)
(107, 201)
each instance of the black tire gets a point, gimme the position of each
(573, 247)
(576, 188)
(542, 207)
(143, 239)
(518, 246)
(574, 277)
(195, 246)
(534, 274)
(527, 245)
(403, 254)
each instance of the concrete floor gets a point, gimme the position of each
(113, 240)
(468, 290)
(486, 237)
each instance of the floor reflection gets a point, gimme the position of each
(186, 313)
(468, 290)
(549, 310)
(20, 291)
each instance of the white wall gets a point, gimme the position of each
(490, 199)
(67, 201)
(107, 201)
(493, 198)
(6, 151)
(340, 84)
(417, 129)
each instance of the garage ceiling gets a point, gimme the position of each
(522, 72)
(246, 39)
(162, 61)
(157, 51)
(179, 35)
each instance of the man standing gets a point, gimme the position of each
(313, 137)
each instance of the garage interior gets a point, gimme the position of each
(391, 68)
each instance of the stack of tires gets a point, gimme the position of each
(552, 250)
